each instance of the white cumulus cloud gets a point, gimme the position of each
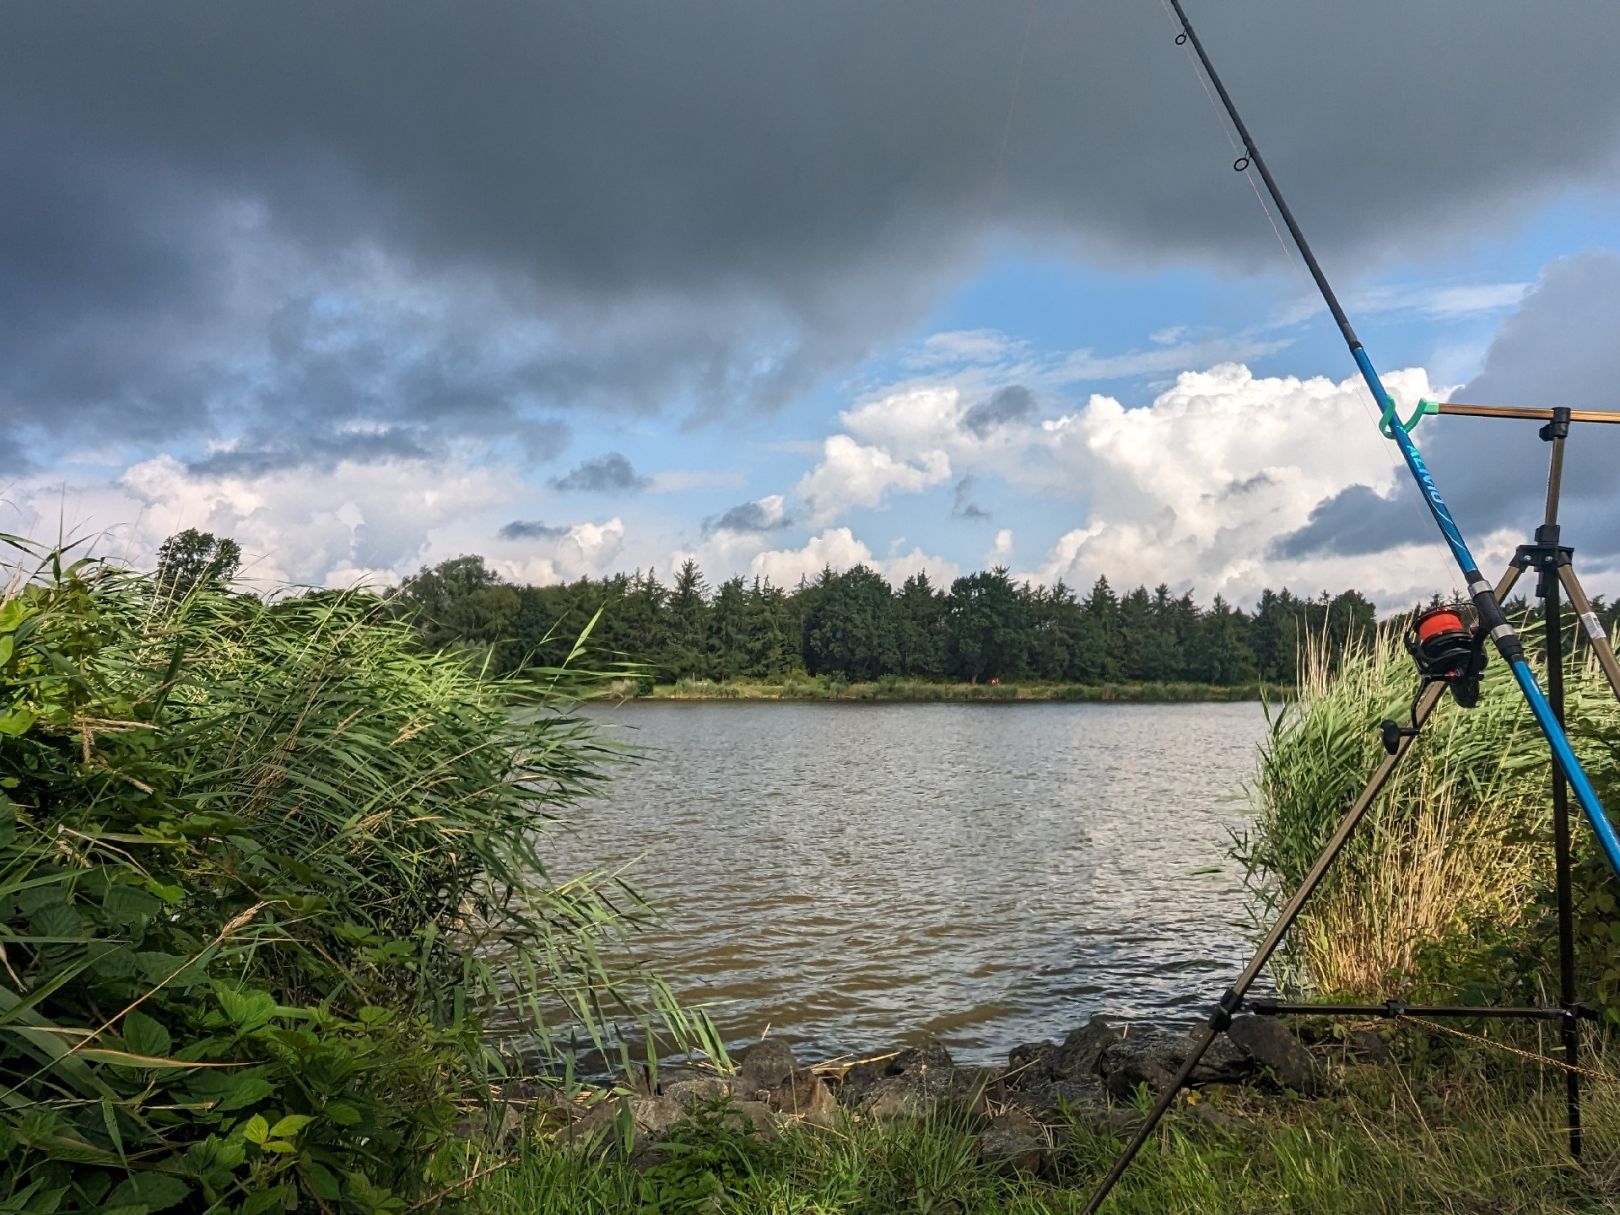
(855, 474)
(838, 548)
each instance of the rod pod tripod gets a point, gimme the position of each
(1553, 562)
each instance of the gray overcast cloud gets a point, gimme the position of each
(280, 225)
(610, 473)
(1558, 348)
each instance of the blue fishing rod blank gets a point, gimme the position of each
(1491, 622)
(1489, 611)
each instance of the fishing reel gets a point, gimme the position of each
(1445, 650)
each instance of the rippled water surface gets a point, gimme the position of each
(853, 875)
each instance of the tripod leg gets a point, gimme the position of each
(1570, 1029)
(1595, 636)
(1233, 999)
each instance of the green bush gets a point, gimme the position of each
(258, 862)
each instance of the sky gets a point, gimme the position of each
(596, 285)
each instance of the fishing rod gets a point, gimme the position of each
(1491, 619)
(1492, 623)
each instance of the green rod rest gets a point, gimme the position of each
(1389, 420)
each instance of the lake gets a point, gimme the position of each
(848, 876)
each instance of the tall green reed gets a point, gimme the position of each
(266, 873)
(1454, 860)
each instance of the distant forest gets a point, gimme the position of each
(853, 625)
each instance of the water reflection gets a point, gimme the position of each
(849, 875)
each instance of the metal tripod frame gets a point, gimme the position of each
(1553, 561)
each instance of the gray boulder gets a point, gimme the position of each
(912, 1083)
(698, 1089)
(1035, 1064)
(1015, 1142)
(804, 1097)
(1153, 1057)
(764, 1065)
(1149, 1057)
(1275, 1049)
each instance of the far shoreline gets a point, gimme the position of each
(908, 691)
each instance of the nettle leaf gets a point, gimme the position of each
(322, 1181)
(125, 902)
(169, 892)
(145, 1035)
(290, 1125)
(246, 1091)
(155, 966)
(114, 963)
(57, 920)
(342, 1113)
(213, 1159)
(171, 969)
(267, 1200)
(149, 1191)
(246, 1010)
(256, 1129)
(16, 722)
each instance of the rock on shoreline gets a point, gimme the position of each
(1094, 1066)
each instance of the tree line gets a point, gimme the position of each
(854, 625)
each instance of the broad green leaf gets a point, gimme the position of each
(169, 892)
(256, 1129)
(57, 921)
(145, 1035)
(342, 1113)
(247, 1010)
(43, 1202)
(290, 1125)
(151, 1191)
(246, 1091)
(265, 1200)
(17, 722)
(125, 902)
(322, 1181)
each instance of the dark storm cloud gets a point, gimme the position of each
(962, 504)
(703, 205)
(1358, 519)
(1246, 485)
(1013, 403)
(316, 451)
(531, 529)
(1557, 348)
(607, 474)
(747, 517)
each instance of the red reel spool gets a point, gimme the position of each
(1437, 621)
(1444, 648)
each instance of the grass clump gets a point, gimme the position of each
(1446, 885)
(255, 861)
(1392, 1141)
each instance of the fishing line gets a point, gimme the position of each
(1489, 612)
(1240, 158)
(1012, 105)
